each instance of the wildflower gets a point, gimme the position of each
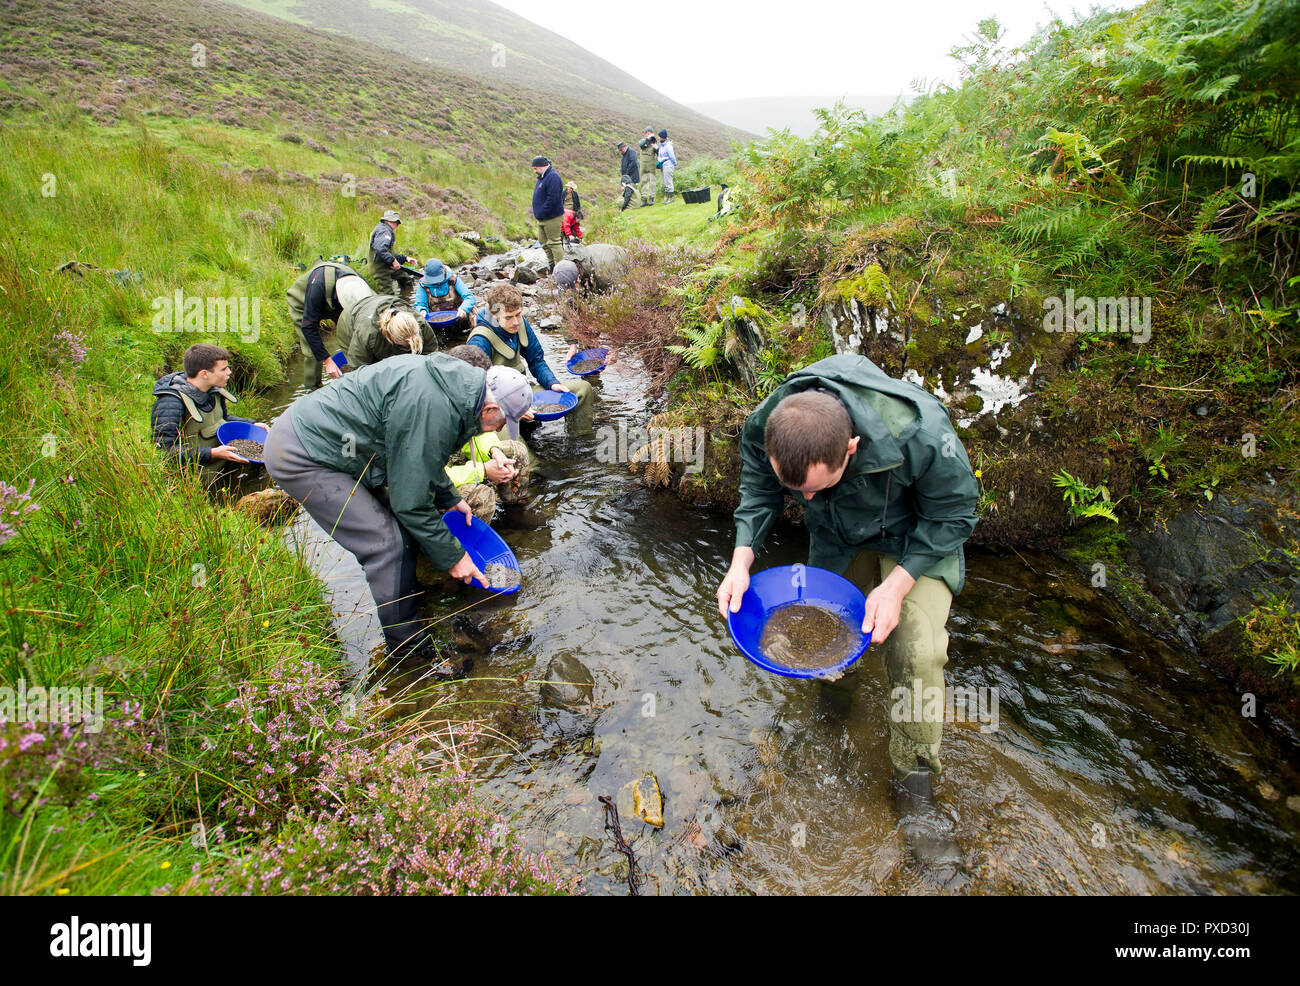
(164, 865)
(13, 507)
(61, 891)
(979, 473)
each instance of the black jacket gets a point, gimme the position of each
(631, 166)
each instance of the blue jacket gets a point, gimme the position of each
(533, 353)
(548, 196)
(423, 302)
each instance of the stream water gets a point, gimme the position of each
(1113, 763)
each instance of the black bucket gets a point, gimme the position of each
(694, 196)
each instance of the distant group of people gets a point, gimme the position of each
(637, 172)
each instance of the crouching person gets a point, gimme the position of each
(190, 405)
(367, 458)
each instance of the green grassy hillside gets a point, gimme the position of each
(489, 42)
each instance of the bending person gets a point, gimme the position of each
(367, 458)
(321, 295)
(380, 326)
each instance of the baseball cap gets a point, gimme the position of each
(508, 389)
(540, 160)
(391, 216)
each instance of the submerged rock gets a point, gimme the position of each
(570, 684)
(642, 798)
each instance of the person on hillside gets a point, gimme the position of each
(889, 500)
(437, 292)
(320, 296)
(367, 457)
(629, 194)
(190, 405)
(667, 161)
(649, 145)
(383, 260)
(570, 228)
(380, 326)
(548, 208)
(487, 469)
(628, 168)
(506, 338)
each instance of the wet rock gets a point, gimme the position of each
(641, 799)
(525, 275)
(268, 507)
(550, 323)
(570, 684)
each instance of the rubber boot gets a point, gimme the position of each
(927, 831)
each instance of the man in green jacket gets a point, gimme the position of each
(367, 458)
(889, 500)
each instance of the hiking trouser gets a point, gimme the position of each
(385, 280)
(914, 656)
(548, 232)
(648, 186)
(360, 522)
(668, 178)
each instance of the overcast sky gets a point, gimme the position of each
(699, 50)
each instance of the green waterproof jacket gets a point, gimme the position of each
(362, 341)
(396, 424)
(908, 492)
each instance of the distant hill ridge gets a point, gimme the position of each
(255, 70)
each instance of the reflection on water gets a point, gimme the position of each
(1117, 765)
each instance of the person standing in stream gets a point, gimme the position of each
(507, 339)
(548, 209)
(383, 259)
(889, 500)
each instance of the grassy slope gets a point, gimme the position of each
(459, 37)
(265, 74)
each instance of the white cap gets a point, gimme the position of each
(508, 389)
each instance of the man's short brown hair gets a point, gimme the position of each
(471, 355)
(504, 297)
(203, 357)
(805, 429)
